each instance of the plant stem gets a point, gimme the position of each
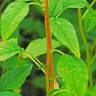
(88, 57)
(59, 13)
(38, 61)
(49, 59)
(38, 64)
(88, 8)
(37, 4)
(93, 59)
(55, 50)
(32, 3)
(93, 46)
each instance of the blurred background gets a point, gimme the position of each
(33, 27)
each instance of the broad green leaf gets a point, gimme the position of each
(74, 3)
(56, 56)
(38, 47)
(90, 20)
(11, 18)
(8, 49)
(64, 31)
(74, 74)
(10, 63)
(13, 62)
(91, 92)
(57, 6)
(39, 1)
(6, 93)
(60, 92)
(14, 78)
(23, 0)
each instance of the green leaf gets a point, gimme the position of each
(38, 1)
(57, 6)
(74, 74)
(6, 93)
(13, 62)
(74, 3)
(38, 47)
(90, 20)
(91, 92)
(11, 18)
(14, 78)
(10, 63)
(23, 0)
(64, 31)
(8, 49)
(60, 92)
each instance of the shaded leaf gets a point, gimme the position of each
(13, 79)
(6, 93)
(13, 62)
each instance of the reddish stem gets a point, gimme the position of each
(49, 60)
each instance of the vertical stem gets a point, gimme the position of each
(49, 60)
(88, 8)
(93, 46)
(88, 57)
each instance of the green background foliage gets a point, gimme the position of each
(23, 47)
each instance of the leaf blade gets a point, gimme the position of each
(38, 47)
(6, 93)
(90, 20)
(8, 49)
(74, 74)
(66, 35)
(58, 6)
(11, 18)
(7, 81)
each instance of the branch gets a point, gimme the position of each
(93, 46)
(85, 43)
(49, 59)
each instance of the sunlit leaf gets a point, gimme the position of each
(64, 31)
(74, 74)
(8, 49)
(38, 47)
(11, 18)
